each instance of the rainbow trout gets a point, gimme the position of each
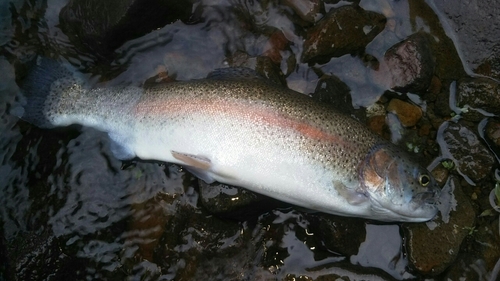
(237, 128)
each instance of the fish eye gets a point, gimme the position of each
(424, 180)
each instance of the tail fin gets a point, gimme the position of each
(42, 89)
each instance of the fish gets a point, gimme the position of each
(237, 128)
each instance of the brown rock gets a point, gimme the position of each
(377, 124)
(407, 113)
(440, 174)
(493, 132)
(343, 30)
(432, 251)
(410, 64)
(487, 242)
(342, 235)
(481, 257)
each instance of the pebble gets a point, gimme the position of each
(409, 114)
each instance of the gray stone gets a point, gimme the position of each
(478, 93)
(477, 31)
(471, 156)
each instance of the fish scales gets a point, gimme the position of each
(243, 130)
(327, 136)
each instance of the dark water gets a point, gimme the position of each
(71, 211)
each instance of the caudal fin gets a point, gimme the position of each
(42, 89)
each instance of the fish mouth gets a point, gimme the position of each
(427, 197)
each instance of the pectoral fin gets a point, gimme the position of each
(194, 161)
(196, 165)
(352, 196)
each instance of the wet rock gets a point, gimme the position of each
(440, 174)
(478, 93)
(331, 90)
(274, 47)
(431, 251)
(466, 267)
(38, 256)
(492, 130)
(448, 63)
(425, 129)
(434, 87)
(476, 32)
(268, 69)
(487, 243)
(378, 125)
(263, 65)
(410, 64)
(470, 155)
(490, 67)
(481, 254)
(342, 235)
(234, 202)
(192, 239)
(409, 114)
(99, 27)
(342, 272)
(308, 10)
(344, 30)
(6, 269)
(442, 103)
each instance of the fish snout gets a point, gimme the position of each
(430, 196)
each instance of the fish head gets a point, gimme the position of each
(399, 189)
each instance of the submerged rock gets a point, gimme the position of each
(344, 30)
(471, 156)
(99, 27)
(234, 202)
(481, 94)
(487, 243)
(410, 64)
(480, 256)
(431, 251)
(492, 130)
(341, 235)
(308, 10)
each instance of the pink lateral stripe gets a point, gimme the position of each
(258, 113)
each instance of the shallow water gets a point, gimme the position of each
(69, 209)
